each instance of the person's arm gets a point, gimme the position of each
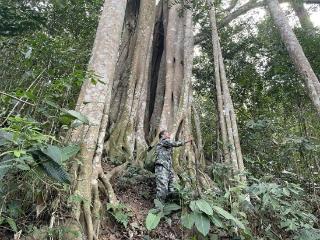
(171, 143)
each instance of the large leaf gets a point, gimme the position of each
(204, 206)
(152, 221)
(12, 224)
(69, 151)
(187, 220)
(51, 167)
(168, 208)
(308, 234)
(55, 171)
(202, 223)
(193, 206)
(159, 206)
(216, 221)
(76, 115)
(54, 153)
(5, 137)
(228, 216)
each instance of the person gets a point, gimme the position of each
(163, 165)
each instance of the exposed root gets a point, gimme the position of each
(105, 179)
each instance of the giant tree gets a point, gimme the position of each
(141, 84)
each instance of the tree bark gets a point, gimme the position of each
(227, 118)
(94, 102)
(303, 16)
(296, 53)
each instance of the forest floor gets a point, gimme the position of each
(136, 189)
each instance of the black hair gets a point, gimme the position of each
(161, 133)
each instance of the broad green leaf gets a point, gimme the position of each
(152, 221)
(56, 171)
(217, 222)
(76, 115)
(168, 208)
(187, 220)
(228, 216)
(69, 151)
(158, 204)
(5, 137)
(202, 223)
(204, 206)
(12, 224)
(308, 234)
(51, 167)
(54, 153)
(193, 206)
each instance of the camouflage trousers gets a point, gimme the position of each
(164, 182)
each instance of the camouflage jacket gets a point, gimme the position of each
(164, 152)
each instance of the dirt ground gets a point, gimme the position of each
(137, 191)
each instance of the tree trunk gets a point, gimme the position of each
(94, 103)
(303, 16)
(296, 53)
(143, 59)
(227, 118)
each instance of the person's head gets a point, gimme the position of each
(164, 134)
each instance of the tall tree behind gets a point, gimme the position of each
(303, 16)
(296, 53)
(227, 118)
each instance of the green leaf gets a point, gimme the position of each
(202, 223)
(52, 104)
(54, 153)
(5, 137)
(168, 208)
(55, 171)
(12, 224)
(152, 221)
(158, 204)
(217, 222)
(23, 166)
(228, 216)
(204, 206)
(70, 151)
(187, 220)
(76, 115)
(193, 206)
(4, 170)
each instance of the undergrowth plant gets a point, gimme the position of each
(265, 208)
(32, 170)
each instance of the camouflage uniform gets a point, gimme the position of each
(163, 167)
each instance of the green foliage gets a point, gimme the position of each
(25, 148)
(120, 212)
(161, 210)
(152, 221)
